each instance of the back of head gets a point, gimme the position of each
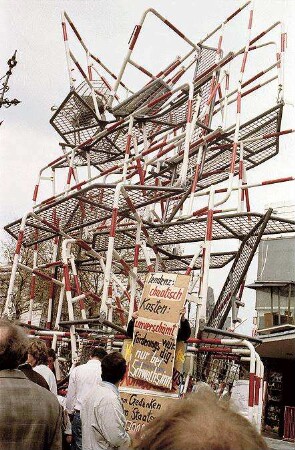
(13, 345)
(98, 352)
(113, 368)
(38, 350)
(51, 354)
(200, 422)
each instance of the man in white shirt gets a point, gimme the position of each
(102, 414)
(38, 358)
(82, 379)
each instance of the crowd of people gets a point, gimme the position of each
(34, 417)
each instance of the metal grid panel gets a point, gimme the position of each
(75, 121)
(88, 206)
(206, 59)
(151, 91)
(237, 273)
(217, 161)
(172, 263)
(237, 226)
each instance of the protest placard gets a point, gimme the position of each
(155, 330)
(141, 407)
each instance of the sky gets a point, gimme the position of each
(40, 81)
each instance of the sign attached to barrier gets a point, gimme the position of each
(155, 330)
(140, 408)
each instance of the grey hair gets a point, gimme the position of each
(13, 345)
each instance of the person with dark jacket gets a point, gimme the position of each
(30, 416)
(30, 373)
(184, 330)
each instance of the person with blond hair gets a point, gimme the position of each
(38, 358)
(199, 422)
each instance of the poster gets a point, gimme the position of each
(155, 330)
(141, 407)
(140, 384)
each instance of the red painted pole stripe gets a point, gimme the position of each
(83, 245)
(74, 29)
(35, 192)
(250, 20)
(244, 62)
(19, 242)
(158, 99)
(169, 69)
(278, 133)
(78, 186)
(209, 225)
(53, 227)
(239, 103)
(277, 180)
(114, 222)
(67, 278)
(32, 287)
(134, 36)
(257, 388)
(234, 154)
(189, 111)
(233, 15)
(64, 31)
(251, 389)
(55, 161)
(51, 290)
(42, 275)
(170, 25)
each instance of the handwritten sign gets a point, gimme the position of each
(155, 330)
(140, 408)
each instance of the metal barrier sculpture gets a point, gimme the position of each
(154, 161)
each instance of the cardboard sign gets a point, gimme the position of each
(141, 407)
(155, 330)
(140, 384)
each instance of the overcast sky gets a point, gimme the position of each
(40, 79)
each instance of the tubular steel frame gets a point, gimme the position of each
(154, 165)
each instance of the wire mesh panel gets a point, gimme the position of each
(75, 120)
(153, 90)
(230, 226)
(237, 273)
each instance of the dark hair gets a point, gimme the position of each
(199, 422)
(113, 367)
(38, 350)
(98, 352)
(51, 353)
(13, 345)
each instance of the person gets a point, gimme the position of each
(103, 419)
(67, 427)
(184, 330)
(32, 375)
(82, 379)
(200, 421)
(38, 358)
(30, 416)
(51, 358)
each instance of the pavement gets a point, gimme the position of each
(277, 444)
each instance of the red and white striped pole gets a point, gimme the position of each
(78, 288)
(135, 270)
(111, 244)
(9, 308)
(58, 313)
(68, 290)
(33, 282)
(127, 148)
(204, 277)
(189, 114)
(67, 50)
